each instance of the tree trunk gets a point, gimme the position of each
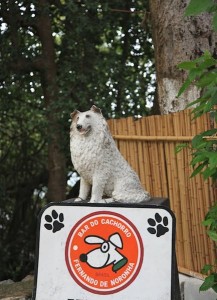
(176, 39)
(56, 158)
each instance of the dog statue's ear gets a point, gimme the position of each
(96, 109)
(74, 113)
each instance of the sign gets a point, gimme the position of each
(89, 252)
(104, 252)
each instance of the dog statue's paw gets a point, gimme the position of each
(79, 199)
(92, 201)
(97, 201)
(103, 200)
(109, 200)
(147, 196)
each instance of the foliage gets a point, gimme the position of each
(211, 280)
(210, 270)
(211, 222)
(202, 72)
(102, 55)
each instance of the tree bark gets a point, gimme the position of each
(176, 39)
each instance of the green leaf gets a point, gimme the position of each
(180, 147)
(187, 65)
(207, 54)
(214, 287)
(195, 102)
(199, 110)
(197, 72)
(208, 172)
(208, 283)
(196, 7)
(207, 63)
(213, 160)
(210, 103)
(209, 132)
(212, 234)
(198, 170)
(198, 141)
(192, 75)
(206, 269)
(184, 87)
(210, 92)
(198, 159)
(206, 79)
(207, 222)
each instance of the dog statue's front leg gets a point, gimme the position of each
(97, 189)
(84, 190)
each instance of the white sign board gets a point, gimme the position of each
(89, 252)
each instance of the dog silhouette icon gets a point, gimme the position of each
(106, 254)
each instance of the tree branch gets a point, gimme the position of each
(24, 64)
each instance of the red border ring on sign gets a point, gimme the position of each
(138, 266)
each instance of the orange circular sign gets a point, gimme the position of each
(104, 252)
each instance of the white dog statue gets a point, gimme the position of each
(99, 163)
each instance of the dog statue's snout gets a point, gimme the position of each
(79, 126)
(83, 257)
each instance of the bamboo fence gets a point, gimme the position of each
(148, 144)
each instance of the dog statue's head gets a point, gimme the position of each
(83, 122)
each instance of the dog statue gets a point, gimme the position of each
(99, 163)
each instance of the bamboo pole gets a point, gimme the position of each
(180, 129)
(193, 206)
(190, 203)
(173, 191)
(122, 144)
(141, 162)
(133, 152)
(153, 138)
(178, 165)
(146, 156)
(127, 146)
(154, 157)
(203, 205)
(161, 154)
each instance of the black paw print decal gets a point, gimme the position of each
(158, 225)
(54, 221)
